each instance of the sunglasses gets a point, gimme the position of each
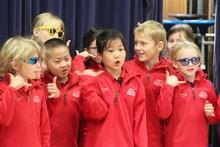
(186, 61)
(33, 60)
(53, 31)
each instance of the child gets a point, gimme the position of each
(24, 120)
(179, 32)
(46, 26)
(114, 104)
(187, 99)
(89, 57)
(150, 40)
(63, 94)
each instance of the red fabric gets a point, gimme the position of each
(114, 113)
(184, 106)
(24, 118)
(64, 113)
(152, 80)
(79, 64)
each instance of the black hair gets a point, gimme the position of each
(54, 42)
(106, 36)
(90, 36)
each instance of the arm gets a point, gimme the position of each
(7, 101)
(164, 104)
(78, 63)
(91, 102)
(44, 125)
(140, 124)
(211, 108)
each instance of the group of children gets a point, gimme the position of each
(161, 98)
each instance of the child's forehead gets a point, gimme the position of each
(188, 51)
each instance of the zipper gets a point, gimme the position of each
(116, 98)
(65, 98)
(193, 92)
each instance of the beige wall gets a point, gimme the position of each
(175, 7)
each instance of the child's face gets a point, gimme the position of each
(59, 62)
(93, 50)
(113, 57)
(186, 67)
(146, 48)
(45, 33)
(30, 69)
(174, 38)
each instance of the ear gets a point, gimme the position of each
(175, 64)
(35, 32)
(14, 65)
(86, 49)
(99, 56)
(161, 46)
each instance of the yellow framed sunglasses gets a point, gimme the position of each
(53, 31)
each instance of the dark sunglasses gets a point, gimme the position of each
(53, 31)
(186, 61)
(33, 60)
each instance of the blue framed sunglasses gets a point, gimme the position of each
(186, 61)
(33, 60)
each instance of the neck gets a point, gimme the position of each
(115, 74)
(150, 64)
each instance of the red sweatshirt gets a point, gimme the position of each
(114, 112)
(24, 120)
(79, 64)
(64, 112)
(152, 80)
(184, 106)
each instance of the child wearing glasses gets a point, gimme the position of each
(89, 57)
(46, 26)
(24, 118)
(114, 104)
(150, 40)
(63, 94)
(187, 99)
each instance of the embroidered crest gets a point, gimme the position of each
(183, 95)
(36, 99)
(105, 89)
(203, 94)
(131, 92)
(76, 93)
(158, 82)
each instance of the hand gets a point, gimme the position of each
(52, 89)
(89, 72)
(85, 54)
(18, 82)
(209, 109)
(172, 80)
(68, 43)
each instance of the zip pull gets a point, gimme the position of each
(116, 98)
(65, 98)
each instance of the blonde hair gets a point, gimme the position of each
(17, 49)
(47, 19)
(154, 29)
(183, 45)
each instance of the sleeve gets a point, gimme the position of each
(164, 102)
(212, 98)
(91, 102)
(44, 125)
(78, 64)
(140, 124)
(7, 101)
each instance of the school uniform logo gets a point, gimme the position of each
(131, 92)
(36, 99)
(158, 82)
(182, 95)
(105, 89)
(76, 93)
(17, 99)
(203, 94)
